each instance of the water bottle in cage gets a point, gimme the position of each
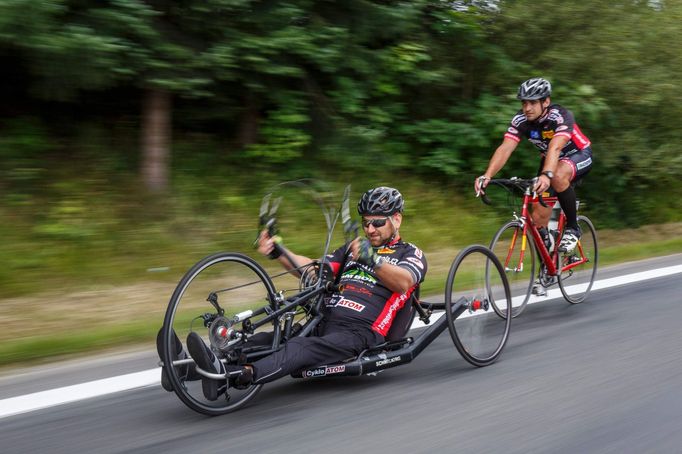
(553, 226)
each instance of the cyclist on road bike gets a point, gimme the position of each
(377, 280)
(565, 153)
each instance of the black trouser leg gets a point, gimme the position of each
(301, 352)
(567, 200)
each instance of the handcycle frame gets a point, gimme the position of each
(279, 312)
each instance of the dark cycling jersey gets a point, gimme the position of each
(364, 300)
(557, 121)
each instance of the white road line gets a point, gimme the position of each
(45, 399)
(68, 394)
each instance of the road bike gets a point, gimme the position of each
(519, 243)
(234, 304)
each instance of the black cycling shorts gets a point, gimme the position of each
(580, 161)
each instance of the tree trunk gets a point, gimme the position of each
(156, 137)
(248, 127)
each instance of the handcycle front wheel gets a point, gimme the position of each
(227, 281)
(578, 268)
(517, 255)
(476, 284)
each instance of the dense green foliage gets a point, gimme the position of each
(412, 93)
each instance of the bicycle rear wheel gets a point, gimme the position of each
(475, 285)
(579, 267)
(507, 245)
(235, 283)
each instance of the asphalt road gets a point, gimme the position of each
(604, 376)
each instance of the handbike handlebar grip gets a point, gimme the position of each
(277, 249)
(486, 200)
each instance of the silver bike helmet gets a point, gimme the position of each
(381, 201)
(536, 88)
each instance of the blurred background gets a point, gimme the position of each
(138, 136)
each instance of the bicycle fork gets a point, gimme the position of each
(510, 252)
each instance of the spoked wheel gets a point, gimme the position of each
(475, 286)
(517, 255)
(579, 267)
(214, 289)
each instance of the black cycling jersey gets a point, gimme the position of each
(364, 299)
(557, 121)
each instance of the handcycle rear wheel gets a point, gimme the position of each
(576, 282)
(507, 246)
(475, 285)
(235, 283)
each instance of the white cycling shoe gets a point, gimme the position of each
(569, 240)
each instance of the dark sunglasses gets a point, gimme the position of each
(376, 223)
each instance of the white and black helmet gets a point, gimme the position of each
(535, 88)
(381, 201)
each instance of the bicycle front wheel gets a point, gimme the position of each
(476, 284)
(517, 255)
(579, 267)
(219, 285)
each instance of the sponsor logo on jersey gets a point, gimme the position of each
(539, 143)
(583, 164)
(534, 134)
(355, 289)
(513, 130)
(561, 128)
(555, 115)
(359, 275)
(547, 134)
(324, 370)
(393, 308)
(385, 250)
(392, 260)
(357, 307)
(418, 252)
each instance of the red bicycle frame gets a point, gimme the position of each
(548, 259)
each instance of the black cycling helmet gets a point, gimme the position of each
(381, 201)
(535, 88)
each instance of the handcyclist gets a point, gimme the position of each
(377, 281)
(565, 155)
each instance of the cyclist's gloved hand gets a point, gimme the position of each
(270, 246)
(277, 248)
(480, 184)
(367, 255)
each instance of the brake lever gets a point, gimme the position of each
(262, 216)
(267, 218)
(541, 201)
(350, 228)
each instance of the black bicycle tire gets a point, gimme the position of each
(186, 280)
(479, 362)
(530, 252)
(593, 232)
